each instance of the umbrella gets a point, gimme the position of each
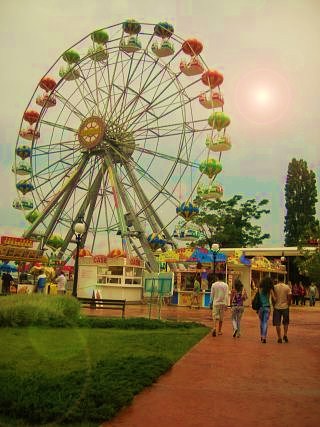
(8, 268)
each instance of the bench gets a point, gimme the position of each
(111, 304)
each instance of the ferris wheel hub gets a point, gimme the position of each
(91, 132)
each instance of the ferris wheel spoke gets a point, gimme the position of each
(159, 101)
(130, 79)
(84, 96)
(168, 112)
(51, 192)
(69, 105)
(111, 85)
(122, 89)
(58, 126)
(148, 82)
(41, 151)
(168, 157)
(146, 175)
(132, 104)
(139, 97)
(57, 162)
(171, 129)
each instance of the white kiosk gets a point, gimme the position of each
(111, 278)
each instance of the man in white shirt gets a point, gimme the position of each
(281, 300)
(61, 283)
(219, 298)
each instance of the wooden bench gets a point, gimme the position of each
(111, 304)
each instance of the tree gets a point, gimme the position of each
(301, 199)
(228, 223)
(309, 264)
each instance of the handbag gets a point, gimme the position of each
(256, 302)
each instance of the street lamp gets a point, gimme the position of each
(79, 229)
(215, 248)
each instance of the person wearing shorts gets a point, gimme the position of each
(219, 298)
(281, 301)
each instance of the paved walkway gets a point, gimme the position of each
(228, 382)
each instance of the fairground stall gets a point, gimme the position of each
(251, 271)
(113, 277)
(200, 262)
(21, 251)
(191, 263)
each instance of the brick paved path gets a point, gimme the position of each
(228, 382)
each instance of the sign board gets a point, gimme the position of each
(158, 284)
(16, 241)
(169, 256)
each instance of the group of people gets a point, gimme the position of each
(278, 296)
(60, 280)
(300, 294)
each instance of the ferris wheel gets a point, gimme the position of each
(118, 132)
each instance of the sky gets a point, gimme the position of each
(266, 50)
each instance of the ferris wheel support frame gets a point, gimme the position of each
(153, 218)
(52, 203)
(90, 199)
(136, 223)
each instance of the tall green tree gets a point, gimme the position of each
(301, 199)
(230, 223)
(309, 264)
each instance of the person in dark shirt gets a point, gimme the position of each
(6, 281)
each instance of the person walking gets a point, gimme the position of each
(195, 296)
(295, 294)
(312, 294)
(281, 301)
(302, 294)
(237, 297)
(265, 292)
(219, 298)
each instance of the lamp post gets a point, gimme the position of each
(283, 261)
(215, 248)
(79, 229)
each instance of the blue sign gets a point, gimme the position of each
(205, 255)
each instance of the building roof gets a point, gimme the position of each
(261, 251)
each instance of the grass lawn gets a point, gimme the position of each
(81, 375)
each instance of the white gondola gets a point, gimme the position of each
(22, 168)
(46, 100)
(130, 45)
(191, 68)
(163, 49)
(218, 143)
(214, 100)
(209, 192)
(186, 233)
(23, 204)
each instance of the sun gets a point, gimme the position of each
(262, 96)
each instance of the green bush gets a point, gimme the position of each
(132, 323)
(39, 310)
(95, 395)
